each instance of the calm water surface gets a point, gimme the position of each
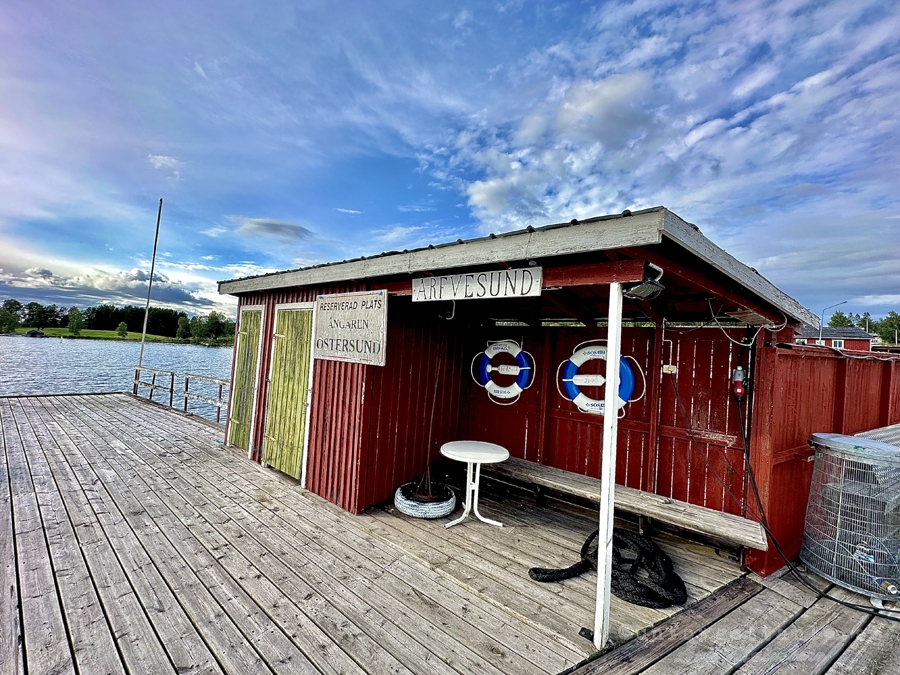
(54, 366)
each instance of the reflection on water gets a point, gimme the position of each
(54, 366)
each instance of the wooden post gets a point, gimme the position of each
(171, 389)
(137, 377)
(654, 383)
(152, 385)
(219, 407)
(187, 383)
(544, 425)
(608, 465)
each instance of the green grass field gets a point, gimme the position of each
(98, 335)
(112, 335)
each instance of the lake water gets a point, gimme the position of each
(54, 366)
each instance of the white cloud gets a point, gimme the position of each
(350, 211)
(461, 19)
(164, 162)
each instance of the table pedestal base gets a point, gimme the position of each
(472, 497)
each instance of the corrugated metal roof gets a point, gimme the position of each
(644, 228)
(431, 247)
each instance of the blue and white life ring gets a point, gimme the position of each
(573, 381)
(523, 370)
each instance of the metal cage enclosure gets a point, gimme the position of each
(852, 531)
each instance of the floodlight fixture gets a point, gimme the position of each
(648, 289)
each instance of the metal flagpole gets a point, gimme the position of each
(608, 465)
(150, 285)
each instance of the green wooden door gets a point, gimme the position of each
(287, 411)
(243, 393)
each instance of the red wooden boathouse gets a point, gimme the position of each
(353, 432)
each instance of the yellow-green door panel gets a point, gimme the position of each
(287, 410)
(243, 393)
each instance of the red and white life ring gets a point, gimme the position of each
(523, 370)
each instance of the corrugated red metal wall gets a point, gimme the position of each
(681, 440)
(336, 406)
(413, 401)
(802, 391)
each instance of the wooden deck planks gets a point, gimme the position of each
(729, 641)
(453, 652)
(211, 606)
(873, 652)
(403, 595)
(45, 635)
(650, 647)
(811, 643)
(350, 553)
(11, 656)
(177, 636)
(137, 543)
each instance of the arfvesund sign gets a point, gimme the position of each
(521, 283)
(351, 327)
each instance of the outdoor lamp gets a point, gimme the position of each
(648, 288)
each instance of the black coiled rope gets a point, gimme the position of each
(647, 579)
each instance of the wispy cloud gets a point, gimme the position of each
(164, 162)
(772, 125)
(277, 229)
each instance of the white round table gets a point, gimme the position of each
(474, 454)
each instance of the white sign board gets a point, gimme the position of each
(479, 285)
(351, 327)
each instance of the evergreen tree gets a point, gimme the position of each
(840, 320)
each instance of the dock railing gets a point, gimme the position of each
(218, 402)
(151, 385)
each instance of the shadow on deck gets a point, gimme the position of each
(131, 540)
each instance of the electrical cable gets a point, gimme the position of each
(763, 520)
(715, 318)
(791, 567)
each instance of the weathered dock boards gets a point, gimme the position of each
(132, 541)
(758, 627)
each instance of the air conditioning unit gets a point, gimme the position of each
(852, 530)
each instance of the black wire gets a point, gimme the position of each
(765, 523)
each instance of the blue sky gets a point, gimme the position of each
(283, 134)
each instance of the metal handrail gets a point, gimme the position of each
(151, 385)
(218, 402)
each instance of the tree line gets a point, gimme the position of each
(888, 328)
(130, 318)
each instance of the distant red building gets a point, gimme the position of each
(852, 338)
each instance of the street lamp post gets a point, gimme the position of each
(822, 321)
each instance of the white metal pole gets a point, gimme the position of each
(608, 465)
(150, 285)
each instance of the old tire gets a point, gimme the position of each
(405, 504)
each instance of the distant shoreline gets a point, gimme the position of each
(89, 334)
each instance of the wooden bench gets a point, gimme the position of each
(715, 524)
